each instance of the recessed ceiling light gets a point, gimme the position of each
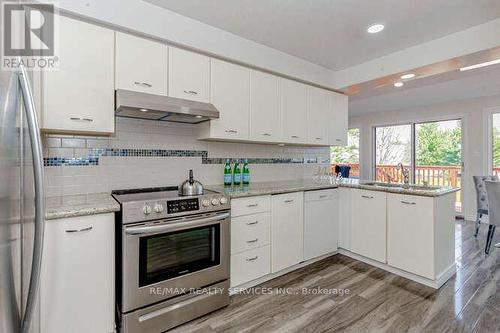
(407, 76)
(198, 116)
(373, 29)
(398, 84)
(483, 64)
(144, 110)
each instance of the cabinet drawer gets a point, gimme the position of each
(250, 231)
(251, 205)
(321, 195)
(250, 265)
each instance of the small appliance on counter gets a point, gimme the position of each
(173, 255)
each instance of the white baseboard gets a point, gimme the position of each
(436, 284)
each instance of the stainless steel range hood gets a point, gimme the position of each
(132, 104)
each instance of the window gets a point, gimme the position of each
(347, 155)
(431, 151)
(393, 145)
(495, 142)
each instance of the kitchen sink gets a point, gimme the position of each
(413, 187)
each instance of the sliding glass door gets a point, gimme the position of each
(432, 151)
(438, 155)
(495, 144)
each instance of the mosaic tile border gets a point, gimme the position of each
(93, 158)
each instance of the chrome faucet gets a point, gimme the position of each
(405, 172)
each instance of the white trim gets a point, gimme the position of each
(487, 139)
(436, 284)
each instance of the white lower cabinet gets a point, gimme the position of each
(368, 224)
(250, 239)
(77, 278)
(345, 198)
(321, 222)
(287, 230)
(410, 234)
(250, 265)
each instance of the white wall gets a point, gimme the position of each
(474, 114)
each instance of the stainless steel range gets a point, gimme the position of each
(172, 257)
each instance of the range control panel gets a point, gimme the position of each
(137, 211)
(184, 205)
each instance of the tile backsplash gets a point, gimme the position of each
(145, 153)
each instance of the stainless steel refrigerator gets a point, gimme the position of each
(21, 204)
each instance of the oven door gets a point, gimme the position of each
(167, 258)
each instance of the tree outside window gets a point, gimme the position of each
(349, 154)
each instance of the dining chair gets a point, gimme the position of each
(481, 197)
(493, 192)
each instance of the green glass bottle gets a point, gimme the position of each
(246, 173)
(236, 173)
(228, 175)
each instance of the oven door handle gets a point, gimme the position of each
(181, 225)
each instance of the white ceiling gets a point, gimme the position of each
(332, 33)
(451, 86)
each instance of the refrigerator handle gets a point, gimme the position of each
(36, 149)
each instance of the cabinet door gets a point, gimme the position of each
(368, 224)
(410, 238)
(141, 64)
(345, 198)
(265, 119)
(337, 125)
(318, 115)
(188, 75)
(230, 94)
(321, 225)
(79, 95)
(294, 111)
(77, 278)
(287, 230)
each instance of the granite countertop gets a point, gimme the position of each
(266, 188)
(423, 191)
(79, 205)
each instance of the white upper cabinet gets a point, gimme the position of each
(294, 111)
(265, 117)
(230, 94)
(318, 110)
(141, 64)
(79, 95)
(338, 118)
(188, 75)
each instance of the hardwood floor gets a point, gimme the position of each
(377, 301)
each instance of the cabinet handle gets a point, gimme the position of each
(252, 205)
(144, 84)
(295, 136)
(319, 138)
(79, 230)
(253, 240)
(82, 119)
(252, 259)
(266, 134)
(191, 92)
(253, 223)
(338, 140)
(288, 201)
(367, 196)
(323, 196)
(231, 131)
(408, 203)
